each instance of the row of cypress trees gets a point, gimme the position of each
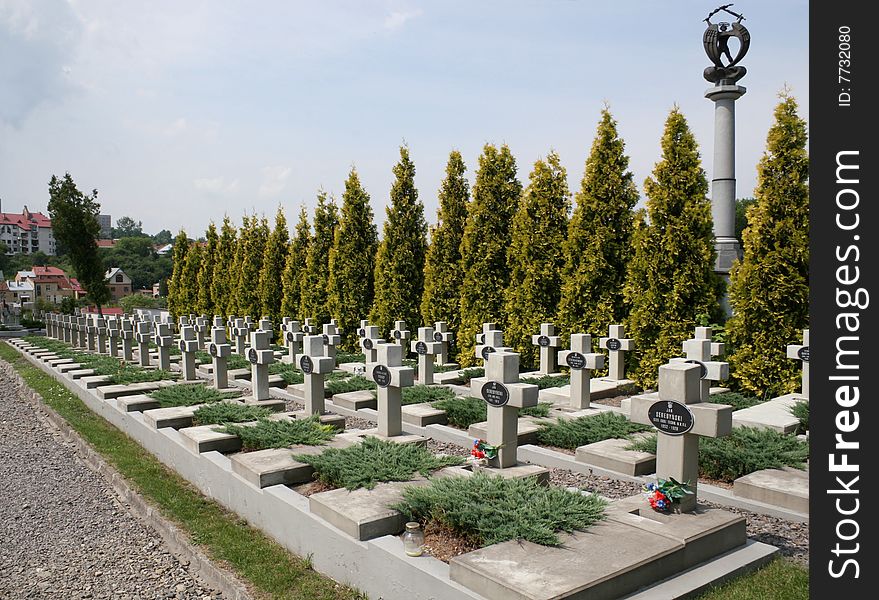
(520, 257)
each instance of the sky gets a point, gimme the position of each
(181, 112)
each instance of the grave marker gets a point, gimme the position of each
(582, 361)
(547, 340)
(486, 327)
(310, 327)
(144, 336)
(101, 325)
(260, 356)
(292, 337)
(188, 345)
(164, 339)
(443, 337)
(91, 333)
(492, 341)
(113, 334)
(220, 351)
(617, 345)
(201, 330)
(400, 334)
(331, 339)
(240, 332)
(390, 377)
(370, 344)
(315, 366)
(699, 351)
(127, 334)
(801, 352)
(425, 347)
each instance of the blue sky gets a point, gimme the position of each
(181, 112)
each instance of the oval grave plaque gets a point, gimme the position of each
(495, 393)
(575, 360)
(306, 365)
(803, 353)
(326, 340)
(670, 417)
(291, 337)
(543, 341)
(381, 375)
(367, 344)
(182, 345)
(252, 356)
(437, 336)
(486, 350)
(397, 334)
(613, 344)
(361, 332)
(212, 349)
(421, 348)
(703, 370)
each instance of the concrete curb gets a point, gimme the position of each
(176, 540)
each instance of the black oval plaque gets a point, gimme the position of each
(381, 375)
(543, 341)
(486, 350)
(182, 346)
(495, 393)
(575, 360)
(367, 344)
(421, 348)
(212, 349)
(703, 370)
(670, 417)
(326, 340)
(251, 355)
(613, 344)
(290, 337)
(438, 336)
(398, 334)
(361, 332)
(306, 365)
(803, 353)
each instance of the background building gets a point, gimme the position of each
(106, 224)
(118, 282)
(27, 233)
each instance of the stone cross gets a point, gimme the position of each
(699, 351)
(143, 337)
(201, 330)
(292, 337)
(260, 356)
(400, 334)
(188, 345)
(164, 339)
(114, 333)
(182, 321)
(310, 327)
(390, 377)
(370, 343)
(617, 344)
(331, 339)
(582, 361)
(504, 395)
(315, 366)
(492, 341)
(801, 352)
(66, 328)
(546, 340)
(91, 333)
(240, 332)
(101, 325)
(681, 417)
(265, 324)
(443, 336)
(127, 335)
(220, 351)
(486, 327)
(251, 325)
(361, 331)
(425, 347)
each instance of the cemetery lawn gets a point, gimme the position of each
(781, 579)
(573, 433)
(234, 361)
(268, 568)
(267, 433)
(227, 412)
(462, 412)
(189, 395)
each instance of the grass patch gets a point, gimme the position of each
(228, 412)
(189, 395)
(471, 373)
(374, 461)
(738, 401)
(547, 381)
(745, 450)
(573, 433)
(222, 535)
(490, 509)
(349, 357)
(280, 434)
(801, 411)
(463, 412)
(289, 373)
(348, 384)
(780, 580)
(418, 394)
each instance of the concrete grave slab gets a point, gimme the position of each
(276, 466)
(94, 381)
(240, 374)
(336, 421)
(355, 400)
(772, 414)
(423, 414)
(57, 362)
(787, 487)
(131, 389)
(518, 471)
(175, 417)
(67, 367)
(612, 455)
(527, 431)
(204, 438)
(404, 438)
(80, 373)
(273, 404)
(138, 403)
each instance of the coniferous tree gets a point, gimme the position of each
(671, 280)
(233, 304)
(176, 287)
(294, 268)
(769, 288)
(189, 279)
(352, 261)
(599, 243)
(315, 278)
(273, 261)
(250, 268)
(535, 257)
(206, 274)
(224, 263)
(399, 262)
(496, 194)
(441, 300)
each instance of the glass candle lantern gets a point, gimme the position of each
(413, 539)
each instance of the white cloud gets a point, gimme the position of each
(274, 180)
(177, 126)
(397, 18)
(216, 185)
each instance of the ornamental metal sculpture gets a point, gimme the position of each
(716, 41)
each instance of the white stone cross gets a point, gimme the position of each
(310, 327)
(699, 351)
(113, 334)
(265, 324)
(492, 341)
(504, 395)
(66, 327)
(91, 333)
(127, 335)
(315, 366)
(202, 329)
(617, 344)
(801, 352)
(188, 345)
(144, 336)
(292, 337)
(443, 336)
(260, 356)
(547, 340)
(361, 331)
(582, 361)
(425, 347)
(164, 339)
(400, 334)
(370, 343)
(240, 332)
(250, 323)
(486, 327)
(101, 325)
(681, 417)
(331, 339)
(220, 351)
(390, 377)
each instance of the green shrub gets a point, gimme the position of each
(189, 395)
(426, 393)
(801, 411)
(268, 433)
(738, 401)
(745, 450)
(349, 357)
(541, 410)
(373, 461)
(573, 433)
(350, 384)
(228, 412)
(464, 411)
(31, 323)
(491, 509)
(290, 374)
(547, 381)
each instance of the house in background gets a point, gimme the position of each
(50, 284)
(27, 233)
(119, 283)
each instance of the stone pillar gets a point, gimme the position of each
(547, 341)
(390, 377)
(616, 345)
(260, 356)
(188, 345)
(443, 336)
(68, 329)
(91, 333)
(425, 347)
(801, 352)
(164, 339)
(582, 362)
(314, 365)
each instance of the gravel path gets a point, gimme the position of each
(63, 534)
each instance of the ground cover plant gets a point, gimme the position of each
(233, 361)
(289, 373)
(228, 412)
(349, 357)
(348, 384)
(573, 433)
(374, 461)
(736, 400)
(490, 509)
(745, 450)
(189, 395)
(801, 411)
(269, 433)
(462, 412)
(418, 394)
(548, 381)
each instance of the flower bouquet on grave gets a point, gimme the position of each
(482, 452)
(664, 495)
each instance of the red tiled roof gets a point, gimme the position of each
(25, 219)
(107, 310)
(74, 285)
(48, 272)
(105, 243)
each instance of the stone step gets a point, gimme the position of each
(787, 487)
(612, 455)
(57, 362)
(527, 431)
(773, 414)
(421, 415)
